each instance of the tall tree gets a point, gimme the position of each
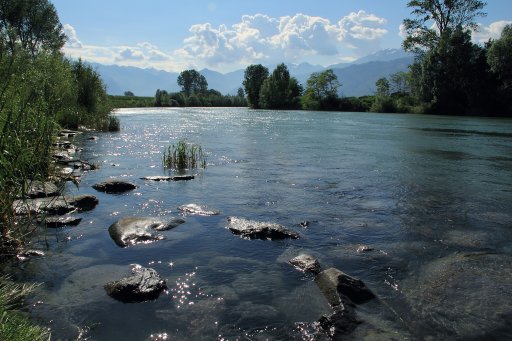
(499, 57)
(434, 17)
(321, 91)
(254, 77)
(280, 91)
(31, 24)
(192, 82)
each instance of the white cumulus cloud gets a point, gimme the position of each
(493, 31)
(261, 38)
(72, 40)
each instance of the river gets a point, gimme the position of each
(429, 196)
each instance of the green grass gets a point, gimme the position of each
(184, 156)
(131, 101)
(14, 324)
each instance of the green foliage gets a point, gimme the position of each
(499, 57)
(280, 91)
(30, 25)
(14, 325)
(444, 15)
(131, 101)
(184, 156)
(254, 76)
(383, 87)
(321, 91)
(192, 82)
(129, 94)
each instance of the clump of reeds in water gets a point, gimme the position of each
(184, 155)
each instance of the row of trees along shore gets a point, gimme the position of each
(41, 92)
(450, 74)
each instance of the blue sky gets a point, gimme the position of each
(225, 35)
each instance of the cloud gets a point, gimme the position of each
(72, 40)
(261, 38)
(493, 31)
(142, 55)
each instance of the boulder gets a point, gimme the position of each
(55, 205)
(131, 230)
(197, 210)
(340, 323)
(42, 189)
(306, 263)
(341, 289)
(143, 285)
(61, 221)
(250, 229)
(114, 186)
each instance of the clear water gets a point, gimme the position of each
(432, 196)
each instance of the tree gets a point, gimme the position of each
(254, 76)
(400, 83)
(499, 57)
(383, 87)
(280, 91)
(32, 24)
(434, 17)
(192, 82)
(321, 91)
(240, 92)
(129, 94)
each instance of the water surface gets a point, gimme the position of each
(431, 196)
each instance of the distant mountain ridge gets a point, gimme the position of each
(357, 78)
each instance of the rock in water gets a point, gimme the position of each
(114, 186)
(55, 205)
(340, 288)
(157, 178)
(40, 189)
(197, 210)
(132, 230)
(306, 263)
(143, 285)
(259, 230)
(61, 221)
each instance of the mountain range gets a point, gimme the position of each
(357, 78)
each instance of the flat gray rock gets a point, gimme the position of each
(197, 210)
(259, 230)
(61, 221)
(341, 289)
(42, 189)
(55, 205)
(143, 285)
(306, 263)
(132, 230)
(114, 186)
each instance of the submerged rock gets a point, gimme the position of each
(197, 210)
(143, 285)
(341, 289)
(306, 263)
(340, 323)
(462, 296)
(55, 205)
(259, 230)
(61, 221)
(131, 230)
(183, 177)
(169, 178)
(114, 186)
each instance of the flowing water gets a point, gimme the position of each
(430, 197)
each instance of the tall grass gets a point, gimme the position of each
(14, 324)
(184, 156)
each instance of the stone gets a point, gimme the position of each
(114, 186)
(250, 229)
(340, 323)
(132, 230)
(61, 221)
(183, 177)
(174, 222)
(144, 284)
(55, 205)
(157, 178)
(197, 210)
(341, 289)
(42, 189)
(306, 263)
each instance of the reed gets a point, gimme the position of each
(14, 324)
(184, 156)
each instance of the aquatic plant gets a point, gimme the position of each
(184, 155)
(15, 325)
